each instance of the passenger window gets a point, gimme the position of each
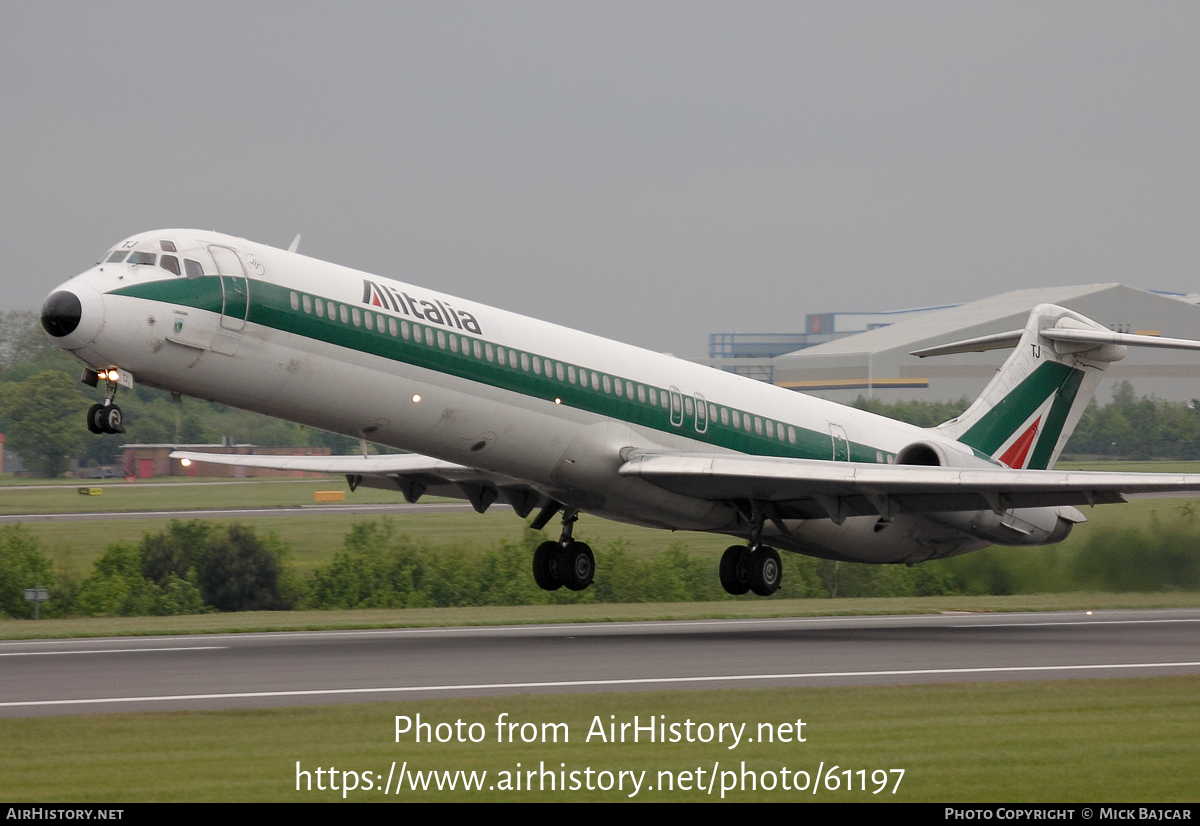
(119, 255)
(417, 334)
(737, 419)
(607, 384)
(595, 381)
(192, 268)
(724, 416)
(320, 307)
(344, 313)
(441, 339)
(171, 264)
(369, 321)
(453, 343)
(791, 434)
(307, 301)
(405, 330)
(687, 405)
(295, 297)
(770, 426)
(641, 394)
(478, 348)
(525, 362)
(392, 327)
(653, 397)
(558, 370)
(758, 425)
(570, 374)
(356, 315)
(489, 352)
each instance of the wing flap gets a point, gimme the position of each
(814, 489)
(411, 474)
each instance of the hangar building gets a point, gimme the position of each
(876, 363)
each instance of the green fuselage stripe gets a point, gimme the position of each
(270, 306)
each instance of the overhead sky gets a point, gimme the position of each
(647, 171)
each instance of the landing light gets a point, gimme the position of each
(185, 462)
(558, 401)
(113, 374)
(416, 397)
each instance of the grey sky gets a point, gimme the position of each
(647, 171)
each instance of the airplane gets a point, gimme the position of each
(496, 407)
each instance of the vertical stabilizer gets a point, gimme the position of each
(1027, 412)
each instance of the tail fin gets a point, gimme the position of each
(1027, 412)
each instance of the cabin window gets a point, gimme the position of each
(320, 307)
(770, 428)
(170, 263)
(142, 258)
(489, 352)
(570, 374)
(478, 348)
(737, 419)
(441, 340)
(607, 382)
(583, 377)
(559, 371)
(512, 359)
(369, 321)
(629, 390)
(641, 394)
(168, 246)
(344, 314)
(295, 298)
(405, 330)
(537, 366)
(758, 425)
(525, 362)
(791, 434)
(418, 334)
(454, 343)
(357, 316)
(595, 380)
(306, 302)
(392, 327)
(724, 415)
(653, 396)
(119, 255)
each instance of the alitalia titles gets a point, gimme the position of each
(436, 311)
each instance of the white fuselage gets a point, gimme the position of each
(556, 414)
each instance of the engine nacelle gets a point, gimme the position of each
(1018, 526)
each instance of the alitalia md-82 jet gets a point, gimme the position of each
(496, 407)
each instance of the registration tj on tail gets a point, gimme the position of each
(496, 407)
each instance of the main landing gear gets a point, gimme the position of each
(565, 562)
(753, 567)
(105, 417)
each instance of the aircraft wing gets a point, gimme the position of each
(411, 474)
(807, 489)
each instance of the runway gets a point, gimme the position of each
(44, 677)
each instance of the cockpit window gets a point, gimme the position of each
(168, 246)
(192, 268)
(142, 258)
(119, 255)
(169, 262)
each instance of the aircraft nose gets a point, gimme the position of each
(61, 312)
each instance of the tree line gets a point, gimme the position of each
(198, 567)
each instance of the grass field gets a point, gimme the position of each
(1131, 740)
(313, 539)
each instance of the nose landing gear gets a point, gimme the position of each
(105, 417)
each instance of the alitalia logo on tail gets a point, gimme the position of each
(436, 311)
